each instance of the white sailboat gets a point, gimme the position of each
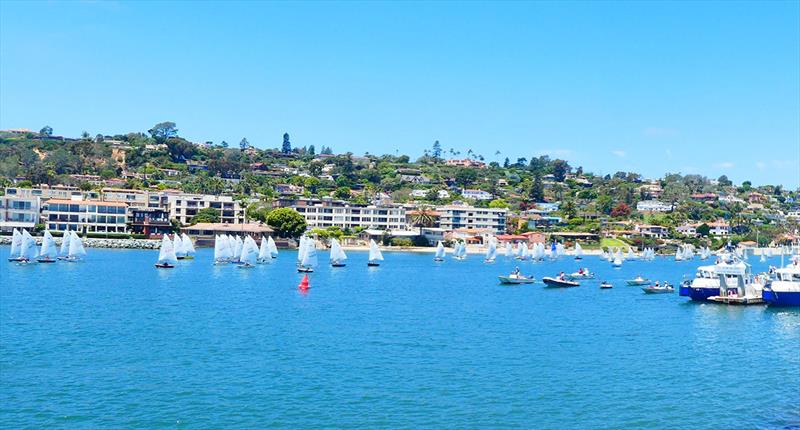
(16, 246)
(578, 251)
(48, 252)
(509, 250)
(188, 246)
(166, 255)
(76, 250)
(309, 255)
(220, 245)
(64, 249)
(440, 252)
(338, 255)
(375, 254)
(28, 251)
(301, 245)
(177, 244)
(264, 254)
(273, 249)
(249, 254)
(460, 251)
(238, 244)
(491, 251)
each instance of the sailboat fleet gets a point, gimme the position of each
(24, 249)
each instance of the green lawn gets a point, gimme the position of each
(612, 242)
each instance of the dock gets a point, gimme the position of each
(737, 300)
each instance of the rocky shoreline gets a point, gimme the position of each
(102, 243)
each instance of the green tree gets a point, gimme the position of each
(342, 193)
(163, 131)
(466, 176)
(287, 222)
(258, 211)
(287, 146)
(244, 144)
(311, 150)
(724, 181)
(437, 150)
(703, 230)
(498, 203)
(536, 190)
(560, 170)
(46, 131)
(205, 215)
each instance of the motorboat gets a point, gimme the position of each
(637, 281)
(605, 285)
(559, 282)
(659, 289)
(516, 278)
(784, 289)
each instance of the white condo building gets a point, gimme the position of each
(453, 217)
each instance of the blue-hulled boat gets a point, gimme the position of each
(784, 288)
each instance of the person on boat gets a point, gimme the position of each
(561, 276)
(580, 271)
(657, 284)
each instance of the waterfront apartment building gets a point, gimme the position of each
(326, 212)
(185, 206)
(46, 192)
(453, 217)
(19, 212)
(90, 216)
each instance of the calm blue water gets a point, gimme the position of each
(115, 343)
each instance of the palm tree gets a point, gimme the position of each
(423, 217)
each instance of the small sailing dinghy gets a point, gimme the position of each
(491, 252)
(578, 251)
(188, 247)
(273, 249)
(177, 244)
(28, 251)
(440, 252)
(166, 255)
(338, 256)
(309, 255)
(659, 289)
(76, 250)
(461, 251)
(222, 250)
(560, 281)
(16, 246)
(264, 254)
(249, 255)
(637, 281)
(48, 252)
(64, 249)
(605, 285)
(375, 254)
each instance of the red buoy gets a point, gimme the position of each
(304, 283)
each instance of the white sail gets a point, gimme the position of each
(509, 249)
(491, 252)
(301, 249)
(188, 246)
(217, 248)
(28, 247)
(578, 249)
(238, 245)
(76, 249)
(16, 244)
(273, 249)
(65, 243)
(264, 256)
(337, 253)
(167, 252)
(440, 251)
(177, 244)
(249, 254)
(48, 249)
(309, 253)
(630, 255)
(374, 252)
(460, 250)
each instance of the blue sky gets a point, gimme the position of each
(689, 87)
